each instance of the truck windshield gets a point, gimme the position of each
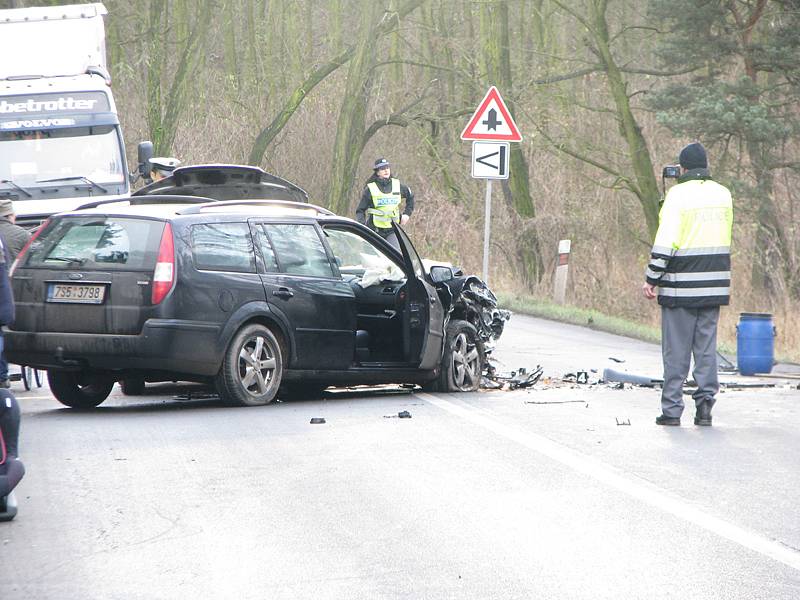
(29, 158)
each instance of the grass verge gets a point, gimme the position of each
(585, 317)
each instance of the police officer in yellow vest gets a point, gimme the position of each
(690, 272)
(380, 202)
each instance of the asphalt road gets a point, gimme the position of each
(560, 491)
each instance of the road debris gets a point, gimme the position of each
(317, 420)
(610, 376)
(521, 378)
(623, 421)
(403, 414)
(581, 377)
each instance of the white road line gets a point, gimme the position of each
(610, 476)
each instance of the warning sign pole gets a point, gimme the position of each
(487, 229)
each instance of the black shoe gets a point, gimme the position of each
(665, 420)
(703, 414)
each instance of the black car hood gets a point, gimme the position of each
(225, 182)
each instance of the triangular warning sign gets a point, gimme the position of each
(492, 121)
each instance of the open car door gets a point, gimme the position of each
(423, 313)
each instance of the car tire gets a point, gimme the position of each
(462, 360)
(252, 368)
(77, 390)
(133, 386)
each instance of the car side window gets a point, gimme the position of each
(299, 249)
(223, 247)
(356, 255)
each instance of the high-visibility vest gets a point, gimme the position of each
(385, 207)
(691, 257)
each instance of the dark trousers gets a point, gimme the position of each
(12, 470)
(688, 333)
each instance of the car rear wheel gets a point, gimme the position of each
(133, 386)
(78, 390)
(462, 360)
(251, 369)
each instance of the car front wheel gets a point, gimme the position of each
(78, 390)
(462, 360)
(251, 369)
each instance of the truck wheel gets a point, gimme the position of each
(133, 386)
(462, 360)
(78, 390)
(252, 368)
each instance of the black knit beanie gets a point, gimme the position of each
(693, 156)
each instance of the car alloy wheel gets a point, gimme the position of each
(466, 369)
(256, 365)
(252, 369)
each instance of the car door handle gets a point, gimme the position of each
(283, 293)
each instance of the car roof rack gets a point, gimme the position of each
(142, 200)
(299, 206)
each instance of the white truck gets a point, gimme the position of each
(60, 139)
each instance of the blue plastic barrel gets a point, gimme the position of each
(755, 343)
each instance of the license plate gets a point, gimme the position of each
(80, 293)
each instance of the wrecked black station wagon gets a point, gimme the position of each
(255, 296)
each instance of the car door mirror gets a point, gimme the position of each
(440, 274)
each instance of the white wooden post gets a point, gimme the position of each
(562, 270)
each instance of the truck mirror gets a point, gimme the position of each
(144, 154)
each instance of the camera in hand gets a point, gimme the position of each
(671, 172)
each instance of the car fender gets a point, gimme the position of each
(254, 311)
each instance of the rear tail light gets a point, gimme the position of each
(164, 274)
(21, 255)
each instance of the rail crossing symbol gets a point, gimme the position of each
(490, 160)
(492, 121)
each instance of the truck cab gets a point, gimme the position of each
(60, 139)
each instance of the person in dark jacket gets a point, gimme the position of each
(12, 235)
(380, 202)
(11, 469)
(690, 273)
(13, 238)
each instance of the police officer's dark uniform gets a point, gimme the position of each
(380, 203)
(690, 265)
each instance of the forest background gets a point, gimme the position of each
(605, 93)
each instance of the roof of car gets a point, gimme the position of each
(225, 182)
(170, 207)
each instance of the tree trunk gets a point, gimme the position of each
(497, 60)
(646, 188)
(266, 135)
(353, 112)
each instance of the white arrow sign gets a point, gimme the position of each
(490, 160)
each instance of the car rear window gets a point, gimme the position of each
(97, 242)
(223, 247)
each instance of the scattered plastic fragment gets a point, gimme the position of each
(610, 375)
(623, 421)
(404, 414)
(521, 378)
(317, 420)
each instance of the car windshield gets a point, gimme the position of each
(97, 243)
(30, 158)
